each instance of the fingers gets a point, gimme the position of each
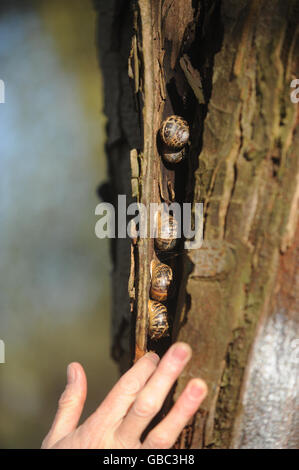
(164, 435)
(150, 399)
(115, 406)
(70, 405)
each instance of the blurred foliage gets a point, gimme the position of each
(54, 272)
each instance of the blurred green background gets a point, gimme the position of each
(54, 272)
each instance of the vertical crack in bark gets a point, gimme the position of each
(230, 180)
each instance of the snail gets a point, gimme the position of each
(161, 281)
(174, 133)
(158, 322)
(167, 232)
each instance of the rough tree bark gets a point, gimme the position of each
(226, 67)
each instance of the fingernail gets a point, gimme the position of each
(152, 356)
(196, 389)
(181, 352)
(71, 374)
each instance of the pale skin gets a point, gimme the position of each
(129, 407)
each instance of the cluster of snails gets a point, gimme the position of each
(174, 134)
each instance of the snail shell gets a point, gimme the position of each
(161, 281)
(158, 322)
(167, 232)
(174, 134)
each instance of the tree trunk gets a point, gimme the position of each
(226, 67)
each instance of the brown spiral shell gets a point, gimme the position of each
(174, 132)
(158, 322)
(161, 281)
(166, 236)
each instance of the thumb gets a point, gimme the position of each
(70, 405)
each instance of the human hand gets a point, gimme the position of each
(129, 407)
